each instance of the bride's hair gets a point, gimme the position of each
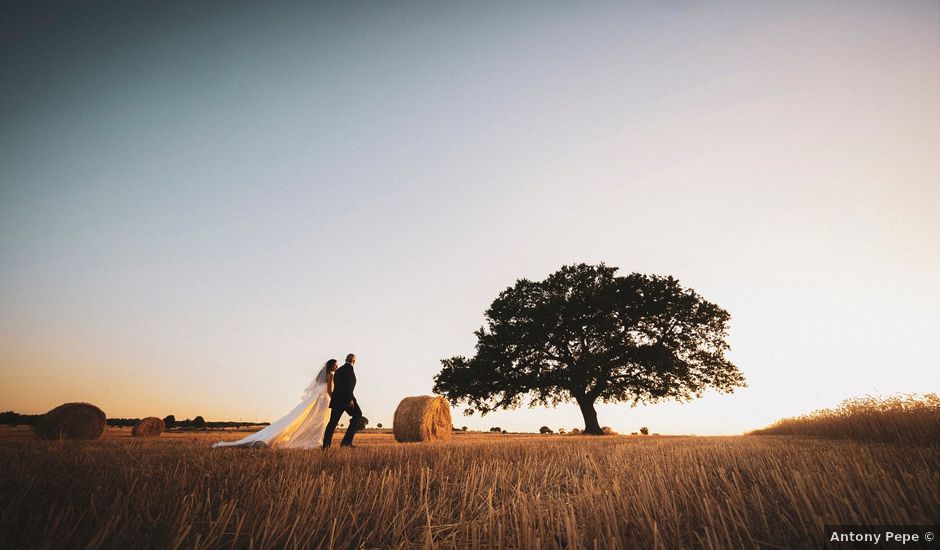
(320, 379)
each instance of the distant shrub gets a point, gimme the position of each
(561, 431)
(545, 430)
(904, 418)
(575, 431)
(199, 422)
(496, 429)
(379, 425)
(608, 430)
(644, 430)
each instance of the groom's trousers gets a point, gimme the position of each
(355, 417)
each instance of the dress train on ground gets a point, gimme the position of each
(302, 428)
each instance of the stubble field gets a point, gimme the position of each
(474, 491)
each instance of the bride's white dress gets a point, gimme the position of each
(302, 428)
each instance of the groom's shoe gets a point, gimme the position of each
(349, 446)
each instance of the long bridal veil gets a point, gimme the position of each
(302, 428)
(318, 385)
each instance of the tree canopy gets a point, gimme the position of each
(585, 335)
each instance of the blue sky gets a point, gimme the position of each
(200, 204)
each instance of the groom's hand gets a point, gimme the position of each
(352, 403)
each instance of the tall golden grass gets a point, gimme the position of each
(906, 418)
(547, 492)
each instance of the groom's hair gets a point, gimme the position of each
(351, 357)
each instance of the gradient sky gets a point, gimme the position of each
(200, 203)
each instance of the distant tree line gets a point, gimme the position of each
(10, 418)
(200, 423)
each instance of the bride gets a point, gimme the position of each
(303, 427)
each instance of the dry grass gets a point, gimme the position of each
(897, 419)
(470, 492)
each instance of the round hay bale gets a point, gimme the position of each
(71, 421)
(148, 427)
(422, 418)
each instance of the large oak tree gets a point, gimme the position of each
(585, 335)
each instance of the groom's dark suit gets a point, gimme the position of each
(343, 401)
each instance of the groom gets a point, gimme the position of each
(343, 400)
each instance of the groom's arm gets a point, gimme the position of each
(352, 388)
(342, 391)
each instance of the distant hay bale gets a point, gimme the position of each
(71, 421)
(148, 427)
(423, 418)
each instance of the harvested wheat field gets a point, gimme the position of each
(474, 491)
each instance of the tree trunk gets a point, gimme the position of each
(590, 416)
